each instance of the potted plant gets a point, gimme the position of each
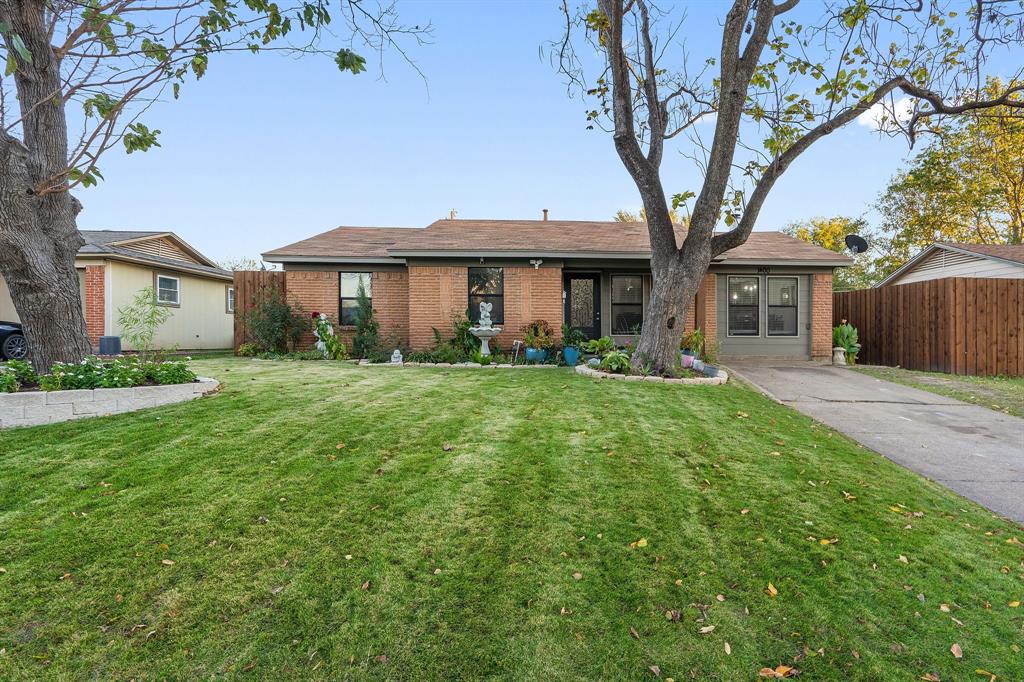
(537, 339)
(692, 343)
(572, 340)
(845, 336)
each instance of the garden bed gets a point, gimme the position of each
(599, 374)
(31, 408)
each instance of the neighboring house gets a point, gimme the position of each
(999, 261)
(114, 265)
(770, 297)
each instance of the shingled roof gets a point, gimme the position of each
(522, 238)
(1010, 252)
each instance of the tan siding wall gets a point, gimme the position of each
(7, 311)
(200, 322)
(944, 263)
(163, 247)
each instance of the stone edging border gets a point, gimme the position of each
(47, 407)
(707, 381)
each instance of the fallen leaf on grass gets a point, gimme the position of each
(642, 542)
(167, 562)
(1013, 604)
(771, 590)
(928, 677)
(707, 629)
(778, 672)
(744, 511)
(577, 576)
(447, 447)
(339, 446)
(250, 666)
(655, 670)
(383, 658)
(956, 651)
(720, 597)
(348, 557)
(365, 586)
(828, 541)
(678, 583)
(944, 608)
(991, 676)
(437, 571)
(728, 649)
(633, 633)
(904, 559)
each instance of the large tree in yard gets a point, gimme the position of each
(79, 74)
(786, 75)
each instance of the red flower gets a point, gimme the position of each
(314, 315)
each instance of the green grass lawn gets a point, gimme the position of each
(326, 521)
(1002, 394)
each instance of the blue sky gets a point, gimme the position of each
(266, 150)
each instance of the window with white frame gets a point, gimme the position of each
(229, 300)
(349, 304)
(627, 304)
(168, 290)
(782, 306)
(744, 309)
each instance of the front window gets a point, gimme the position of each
(782, 306)
(487, 285)
(744, 298)
(627, 304)
(168, 290)
(349, 305)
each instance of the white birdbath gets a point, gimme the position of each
(484, 331)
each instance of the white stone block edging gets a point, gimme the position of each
(707, 381)
(32, 408)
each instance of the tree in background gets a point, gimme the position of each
(624, 216)
(830, 233)
(104, 63)
(245, 263)
(784, 79)
(140, 320)
(966, 185)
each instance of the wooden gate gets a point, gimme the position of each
(252, 286)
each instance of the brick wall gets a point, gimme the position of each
(315, 291)
(438, 293)
(821, 316)
(319, 291)
(95, 302)
(703, 308)
(391, 306)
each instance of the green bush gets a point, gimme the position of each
(572, 337)
(366, 342)
(615, 361)
(599, 346)
(538, 334)
(247, 350)
(273, 323)
(119, 372)
(170, 372)
(23, 371)
(8, 381)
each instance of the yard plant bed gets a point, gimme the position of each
(333, 521)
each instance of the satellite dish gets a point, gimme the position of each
(856, 243)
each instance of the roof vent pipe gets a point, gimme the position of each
(545, 214)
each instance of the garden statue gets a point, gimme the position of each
(483, 330)
(322, 328)
(485, 315)
(396, 357)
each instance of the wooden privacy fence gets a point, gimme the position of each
(252, 286)
(955, 325)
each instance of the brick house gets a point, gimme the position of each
(769, 297)
(114, 265)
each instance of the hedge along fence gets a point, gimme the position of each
(251, 287)
(955, 325)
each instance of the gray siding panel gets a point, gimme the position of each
(762, 345)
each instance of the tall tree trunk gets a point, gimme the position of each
(38, 235)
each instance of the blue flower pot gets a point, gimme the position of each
(571, 355)
(687, 351)
(536, 354)
(710, 371)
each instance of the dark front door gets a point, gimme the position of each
(583, 303)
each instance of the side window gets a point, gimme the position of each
(744, 309)
(168, 290)
(349, 304)
(229, 300)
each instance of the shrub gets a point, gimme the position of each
(693, 342)
(572, 337)
(462, 339)
(23, 371)
(367, 338)
(140, 319)
(8, 380)
(334, 347)
(273, 323)
(615, 361)
(247, 350)
(845, 336)
(119, 372)
(599, 346)
(537, 334)
(170, 372)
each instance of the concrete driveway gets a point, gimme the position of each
(972, 450)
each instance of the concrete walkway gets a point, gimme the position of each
(972, 450)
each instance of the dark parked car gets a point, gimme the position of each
(12, 342)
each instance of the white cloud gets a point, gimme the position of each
(883, 114)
